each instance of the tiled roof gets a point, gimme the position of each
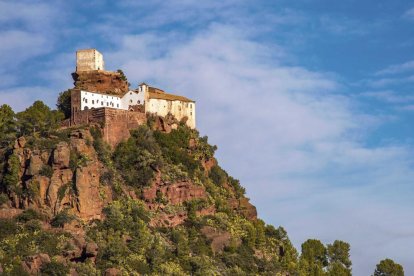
(168, 97)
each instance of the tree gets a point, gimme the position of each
(388, 267)
(64, 103)
(38, 118)
(313, 258)
(339, 258)
(7, 125)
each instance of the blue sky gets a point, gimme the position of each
(311, 103)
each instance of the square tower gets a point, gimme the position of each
(89, 60)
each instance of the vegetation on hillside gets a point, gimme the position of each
(126, 239)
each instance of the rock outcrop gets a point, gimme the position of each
(66, 178)
(32, 264)
(101, 81)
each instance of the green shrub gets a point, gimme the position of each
(46, 170)
(8, 227)
(54, 269)
(29, 214)
(61, 219)
(11, 177)
(62, 190)
(3, 199)
(138, 158)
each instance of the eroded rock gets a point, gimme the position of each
(61, 155)
(32, 264)
(89, 202)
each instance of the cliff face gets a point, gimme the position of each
(56, 182)
(79, 190)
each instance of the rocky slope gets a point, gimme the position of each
(72, 186)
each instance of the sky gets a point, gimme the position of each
(310, 103)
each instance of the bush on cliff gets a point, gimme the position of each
(138, 158)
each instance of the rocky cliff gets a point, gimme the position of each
(106, 82)
(72, 185)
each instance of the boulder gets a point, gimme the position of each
(32, 264)
(61, 155)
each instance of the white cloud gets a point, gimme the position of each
(397, 68)
(296, 144)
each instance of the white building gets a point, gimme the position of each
(154, 100)
(89, 60)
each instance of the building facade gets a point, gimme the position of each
(144, 99)
(89, 60)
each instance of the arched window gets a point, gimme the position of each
(86, 108)
(138, 102)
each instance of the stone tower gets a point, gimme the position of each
(89, 60)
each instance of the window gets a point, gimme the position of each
(101, 103)
(107, 104)
(191, 113)
(191, 106)
(138, 102)
(93, 102)
(86, 100)
(117, 105)
(130, 101)
(130, 93)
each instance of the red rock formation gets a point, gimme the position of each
(244, 207)
(101, 81)
(32, 264)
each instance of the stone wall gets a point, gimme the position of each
(115, 123)
(118, 123)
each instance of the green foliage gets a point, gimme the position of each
(62, 190)
(339, 258)
(46, 170)
(388, 267)
(8, 124)
(39, 118)
(54, 269)
(64, 103)
(29, 214)
(102, 149)
(77, 160)
(138, 158)
(123, 77)
(61, 219)
(313, 258)
(3, 199)
(11, 177)
(175, 149)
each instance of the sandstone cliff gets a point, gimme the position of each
(70, 182)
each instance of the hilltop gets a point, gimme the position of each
(113, 191)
